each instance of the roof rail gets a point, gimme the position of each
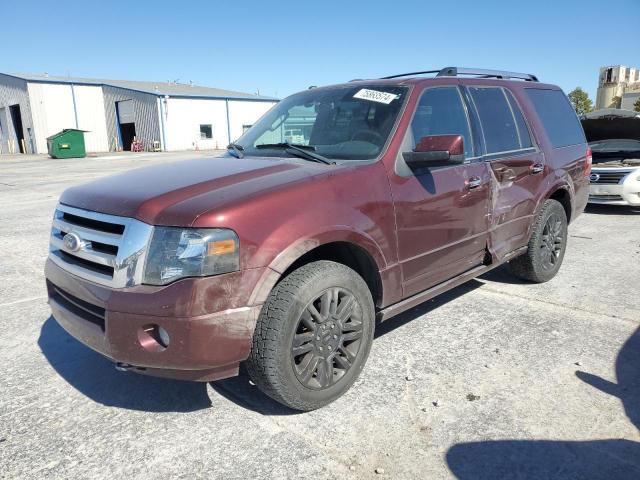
(455, 71)
(409, 74)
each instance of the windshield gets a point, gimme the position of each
(341, 123)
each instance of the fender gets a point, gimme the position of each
(338, 233)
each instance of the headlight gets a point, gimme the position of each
(190, 252)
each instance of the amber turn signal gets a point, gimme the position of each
(221, 247)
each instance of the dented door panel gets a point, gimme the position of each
(514, 195)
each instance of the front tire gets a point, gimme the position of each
(547, 245)
(313, 336)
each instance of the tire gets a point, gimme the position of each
(547, 245)
(327, 309)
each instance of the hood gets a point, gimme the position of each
(177, 193)
(611, 124)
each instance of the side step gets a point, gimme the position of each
(418, 298)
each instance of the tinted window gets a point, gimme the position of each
(523, 131)
(557, 116)
(441, 112)
(498, 125)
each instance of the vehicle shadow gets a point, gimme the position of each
(609, 459)
(94, 376)
(405, 317)
(603, 209)
(241, 391)
(502, 274)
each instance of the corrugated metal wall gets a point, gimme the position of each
(51, 110)
(244, 113)
(145, 108)
(14, 91)
(91, 117)
(183, 117)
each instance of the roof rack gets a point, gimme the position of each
(482, 73)
(410, 74)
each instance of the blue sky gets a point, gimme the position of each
(282, 47)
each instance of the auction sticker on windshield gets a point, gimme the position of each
(376, 96)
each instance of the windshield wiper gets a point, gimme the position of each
(236, 149)
(301, 151)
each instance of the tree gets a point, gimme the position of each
(636, 106)
(580, 101)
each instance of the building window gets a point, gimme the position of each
(246, 127)
(206, 132)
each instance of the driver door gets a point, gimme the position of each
(441, 212)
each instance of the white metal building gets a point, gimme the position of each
(168, 116)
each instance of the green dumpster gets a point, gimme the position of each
(69, 143)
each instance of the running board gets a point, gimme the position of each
(418, 298)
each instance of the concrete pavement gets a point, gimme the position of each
(495, 379)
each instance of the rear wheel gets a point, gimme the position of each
(313, 336)
(547, 246)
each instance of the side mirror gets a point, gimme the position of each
(436, 151)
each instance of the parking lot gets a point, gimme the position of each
(495, 379)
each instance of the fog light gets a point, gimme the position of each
(153, 337)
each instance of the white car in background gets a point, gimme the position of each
(614, 138)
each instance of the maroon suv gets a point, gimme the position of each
(342, 206)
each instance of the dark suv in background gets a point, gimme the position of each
(342, 207)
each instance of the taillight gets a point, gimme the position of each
(587, 162)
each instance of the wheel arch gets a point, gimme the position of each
(561, 191)
(563, 196)
(353, 249)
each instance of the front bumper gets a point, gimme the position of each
(203, 346)
(627, 192)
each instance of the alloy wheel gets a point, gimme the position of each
(327, 338)
(552, 242)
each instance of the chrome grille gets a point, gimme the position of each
(608, 177)
(105, 249)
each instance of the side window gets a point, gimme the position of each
(498, 125)
(440, 111)
(557, 116)
(523, 131)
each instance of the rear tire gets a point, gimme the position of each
(547, 245)
(313, 336)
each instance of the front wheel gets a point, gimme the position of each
(313, 336)
(547, 245)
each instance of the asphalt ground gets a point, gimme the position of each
(495, 379)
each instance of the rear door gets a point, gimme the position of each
(516, 164)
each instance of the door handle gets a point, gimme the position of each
(537, 168)
(474, 182)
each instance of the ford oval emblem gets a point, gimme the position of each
(72, 242)
(594, 177)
